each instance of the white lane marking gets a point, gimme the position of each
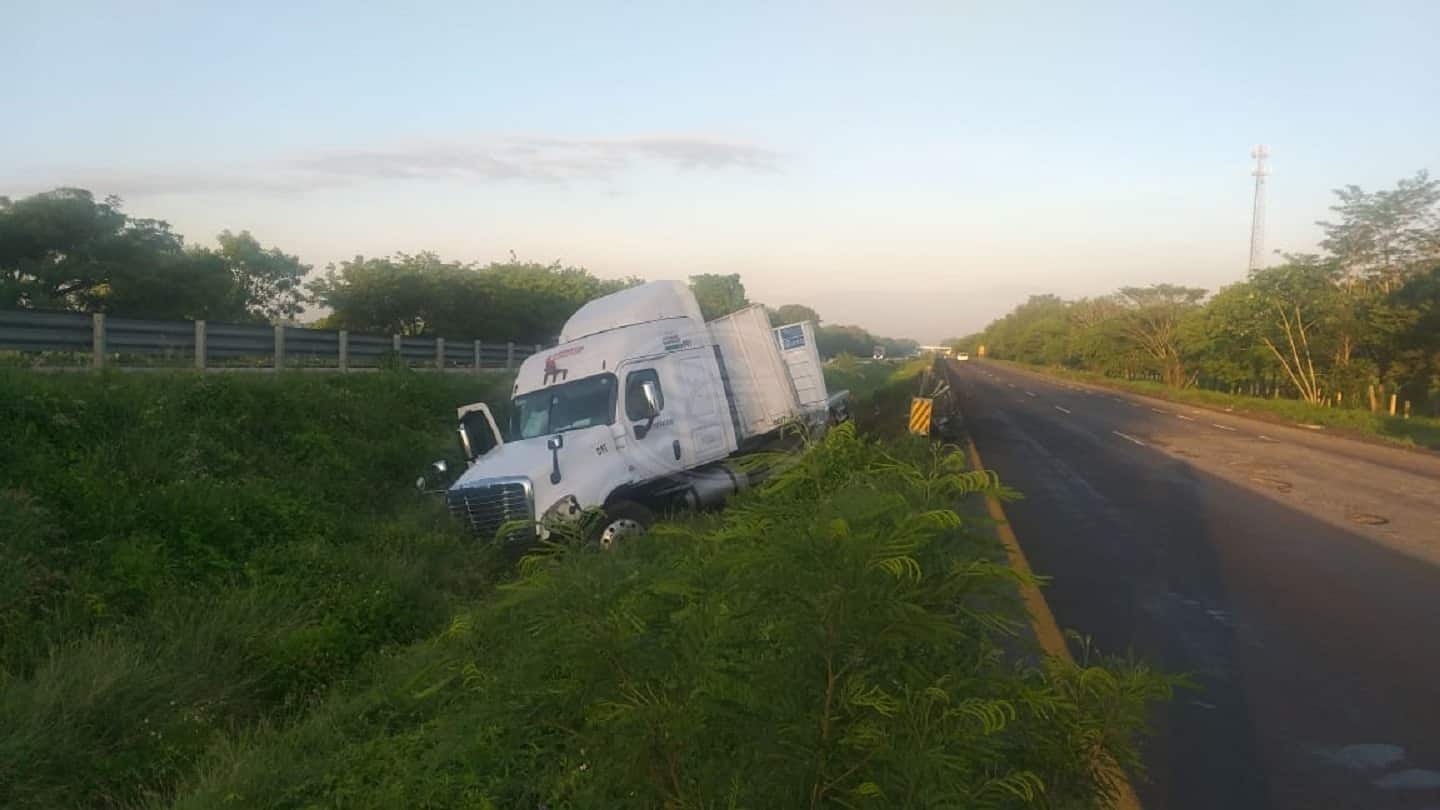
(1186, 418)
(1012, 385)
(1029, 393)
(1127, 437)
(1157, 410)
(1265, 438)
(1134, 404)
(1062, 410)
(1222, 427)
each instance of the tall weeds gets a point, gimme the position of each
(181, 555)
(840, 637)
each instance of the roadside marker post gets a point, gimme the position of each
(920, 410)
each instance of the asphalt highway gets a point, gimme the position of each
(1295, 576)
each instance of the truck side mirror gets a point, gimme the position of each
(554, 443)
(650, 395)
(652, 398)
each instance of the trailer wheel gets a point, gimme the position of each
(622, 520)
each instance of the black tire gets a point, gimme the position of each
(621, 519)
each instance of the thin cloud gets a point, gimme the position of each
(540, 159)
(516, 159)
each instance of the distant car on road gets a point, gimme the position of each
(962, 355)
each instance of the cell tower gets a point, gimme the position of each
(1257, 219)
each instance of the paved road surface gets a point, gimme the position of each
(1296, 576)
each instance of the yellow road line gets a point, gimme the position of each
(1042, 621)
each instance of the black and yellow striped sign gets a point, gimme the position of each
(920, 409)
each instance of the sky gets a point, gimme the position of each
(917, 169)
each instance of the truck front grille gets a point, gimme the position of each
(487, 507)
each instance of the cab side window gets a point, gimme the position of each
(635, 398)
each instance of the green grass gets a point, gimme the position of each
(880, 390)
(184, 554)
(1416, 431)
(837, 638)
(221, 591)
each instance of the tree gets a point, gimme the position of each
(1221, 340)
(1385, 236)
(1291, 307)
(718, 294)
(1152, 322)
(267, 280)
(422, 294)
(1335, 325)
(1415, 338)
(793, 313)
(833, 341)
(63, 250)
(402, 294)
(1096, 339)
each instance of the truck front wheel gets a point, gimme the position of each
(622, 520)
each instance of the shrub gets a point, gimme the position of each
(186, 553)
(838, 638)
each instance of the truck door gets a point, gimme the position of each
(478, 432)
(689, 428)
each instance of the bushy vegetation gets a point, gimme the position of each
(423, 294)
(219, 591)
(838, 638)
(184, 555)
(64, 250)
(722, 294)
(1345, 329)
(879, 390)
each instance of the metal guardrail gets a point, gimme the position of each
(41, 339)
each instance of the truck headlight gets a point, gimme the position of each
(565, 510)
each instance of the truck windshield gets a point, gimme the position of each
(568, 406)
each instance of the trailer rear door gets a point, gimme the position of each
(757, 380)
(802, 360)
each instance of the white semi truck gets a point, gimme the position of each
(640, 409)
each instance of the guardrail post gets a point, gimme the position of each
(344, 350)
(200, 345)
(97, 340)
(538, 347)
(440, 354)
(279, 347)
(510, 354)
(395, 346)
(477, 357)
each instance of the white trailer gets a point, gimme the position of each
(637, 410)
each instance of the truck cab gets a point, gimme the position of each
(635, 410)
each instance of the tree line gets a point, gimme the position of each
(720, 294)
(1341, 327)
(64, 249)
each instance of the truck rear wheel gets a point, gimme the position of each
(622, 520)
